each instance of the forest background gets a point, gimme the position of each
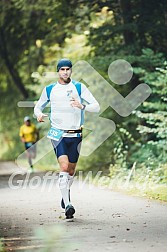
(34, 35)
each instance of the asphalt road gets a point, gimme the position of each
(31, 218)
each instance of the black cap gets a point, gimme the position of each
(64, 63)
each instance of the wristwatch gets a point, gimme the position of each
(83, 106)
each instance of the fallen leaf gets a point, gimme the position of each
(112, 236)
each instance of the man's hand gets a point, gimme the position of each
(40, 118)
(75, 103)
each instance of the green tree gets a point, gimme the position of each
(129, 26)
(153, 114)
(27, 29)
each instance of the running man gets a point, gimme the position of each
(66, 98)
(29, 136)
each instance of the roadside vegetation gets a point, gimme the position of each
(35, 35)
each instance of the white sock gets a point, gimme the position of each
(64, 187)
(70, 180)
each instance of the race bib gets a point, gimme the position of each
(55, 134)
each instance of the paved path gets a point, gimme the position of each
(104, 220)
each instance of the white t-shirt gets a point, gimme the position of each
(63, 115)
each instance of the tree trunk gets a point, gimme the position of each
(12, 71)
(125, 6)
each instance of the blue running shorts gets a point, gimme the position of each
(69, 146)
(30, 146)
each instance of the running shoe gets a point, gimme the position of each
(69, 212)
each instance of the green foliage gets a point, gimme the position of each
(35, 34)
(2, 247)
(142, 137)
(128, 26)
(153, 114)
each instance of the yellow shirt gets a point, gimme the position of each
(28, 132)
